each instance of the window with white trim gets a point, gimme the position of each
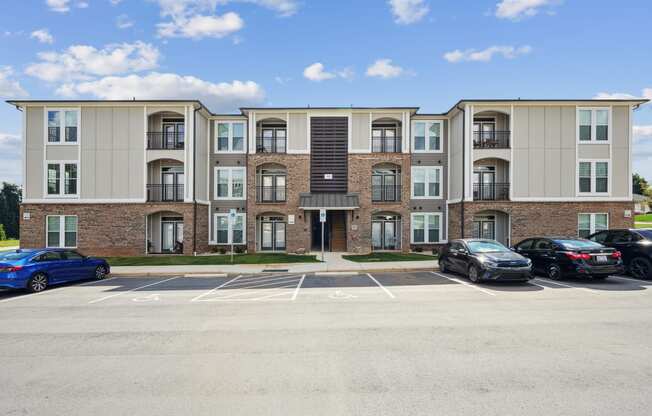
(593, 124)
(588, 224)
(61, 231)
(593, 177)
(426, 228)
(229, 232)
(426, 136)
(230, 183)
(230, 137)
(426, 182)
(63, 126)
(62, 178)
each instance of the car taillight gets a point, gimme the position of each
(616, 254)
(9, 269)
(578, 256)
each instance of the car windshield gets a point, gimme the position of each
(13, 255)
(578, 244)
(647, 234)
(486, 247)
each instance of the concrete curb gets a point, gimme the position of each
(209, 274)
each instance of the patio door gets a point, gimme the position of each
(173, 133)
(171, 235)
(172, 180)
(484, 227)
(484, 132)
(386, 232)
(484, 183)
(272, 234)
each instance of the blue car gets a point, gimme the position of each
(36, 269)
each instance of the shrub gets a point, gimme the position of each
(240, 249)
(221, 250)
(3, 234)
(418, 249)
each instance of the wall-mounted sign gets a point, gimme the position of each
(328, 176)
(290, 219)
(27, 215)
(628, 213)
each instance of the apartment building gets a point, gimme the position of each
(148, 177)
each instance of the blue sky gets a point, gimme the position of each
(229, 53)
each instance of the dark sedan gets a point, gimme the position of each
(635, 246)
(484, 260)
(560, 257)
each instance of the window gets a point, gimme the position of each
(385, 136)
(426, 182)
(386, 184)
(273, 137)
(58, 185)
(591, 223)
(426, 228)
(229, 232)
(229, 183)
(61, 231)
(593, 124)
(593, 177)
(271, 184)
(230, 137)
(63, 126)
(426, 136)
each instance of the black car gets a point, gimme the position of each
(635, 246)
(484, 260)
(559, 257)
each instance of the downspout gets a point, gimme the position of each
(463, 167)
(194, 181)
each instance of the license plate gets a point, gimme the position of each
(601, 259)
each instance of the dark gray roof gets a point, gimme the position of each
(329, 201)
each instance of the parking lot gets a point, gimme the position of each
(328, 344)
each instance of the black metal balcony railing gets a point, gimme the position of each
(491, 139)
(271, 145)
(165, 140)
(164, 193)
(491, 191)
(385, 193)
(386, 144)
(54, 134)
(271, 194)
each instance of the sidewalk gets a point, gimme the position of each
(333, 262)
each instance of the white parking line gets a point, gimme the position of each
(196, 298)
(278, 279)
(453, 279)
(247, 293)
(390, 294)
(131, 290)
(296, 291)
(554, 282)
(253, 279)
(282, 282)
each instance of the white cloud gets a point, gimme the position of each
(223, 96)
(408, 11)
(10, 158)
(83, 61)
(282, 7)
(517, 9)
(115, 2)
(641, 132)
(82, 4)
(61, 6)
(201, 26)
(384, 68)
(9, 87)
(42, 35)
(316, 72)
(485, 55)
(123, 22)
(645, 93)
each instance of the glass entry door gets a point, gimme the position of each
(484, 227)
(386, 232)
(173, 134)
(272, 234)
(171, 235)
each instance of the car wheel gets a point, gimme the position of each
(473, 274)
(100, 272)
(640, 268)
(37, 283)
(553, 272)
(442, 266)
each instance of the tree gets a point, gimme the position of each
(3, 236)
(10, 197)
(640, 185)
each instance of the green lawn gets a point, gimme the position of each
(378, 257)
(642, 225)
(643, 218)
(9, 243)
(210, 260)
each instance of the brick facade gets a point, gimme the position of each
(111, 229)
(359, 224)
(529, 219)
(298, 181)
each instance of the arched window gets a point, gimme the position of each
(272, 136)
(271, 183)
(386, 183)
(386, 231)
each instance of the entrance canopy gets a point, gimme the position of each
(332, 201)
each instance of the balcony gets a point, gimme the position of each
(158, 140)
(386, 144)
(386, 193)
(491, 139)
(498, 191)
(271, 145)
(164, 193)
(271, 194)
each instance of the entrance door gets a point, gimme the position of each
(484, 228)
(484, 180)
(337, 221)
(167, 236)
(173, 134)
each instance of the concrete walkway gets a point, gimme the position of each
(333, 262)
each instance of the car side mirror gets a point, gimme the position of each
(463, 251)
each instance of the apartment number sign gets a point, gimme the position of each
(328, 176)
